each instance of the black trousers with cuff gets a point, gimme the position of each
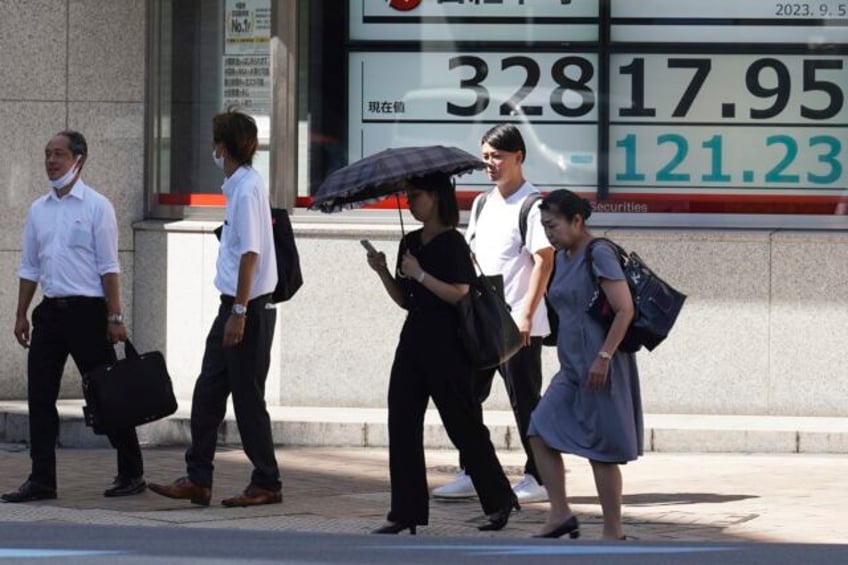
(522, 376)
(74, 326)
(241, 371)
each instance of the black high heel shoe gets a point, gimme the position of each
(395, 529)
(499, 519)
(570, 527)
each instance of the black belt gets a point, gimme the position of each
(228, 300)
(68, 301)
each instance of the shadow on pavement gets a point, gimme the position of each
(669, 498)
(344, 490)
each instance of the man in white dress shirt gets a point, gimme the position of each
(238, 347)
(523, 255)
(70, 247)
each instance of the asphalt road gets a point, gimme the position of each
(51, 543)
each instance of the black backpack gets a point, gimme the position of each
(656, 303)
(289, 276)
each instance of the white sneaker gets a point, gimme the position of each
(460, 487)
(528, 490)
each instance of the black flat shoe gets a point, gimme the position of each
(28, 492)
(499, 519)
(395, 529)
(570, 527)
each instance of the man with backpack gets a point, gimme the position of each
(238, 347)
(506, 236)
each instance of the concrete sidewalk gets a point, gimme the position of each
(668, 497)
(363, 427)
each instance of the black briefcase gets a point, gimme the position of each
(133, 391)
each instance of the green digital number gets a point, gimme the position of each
(776, 174)
(830, 158)
(628, 143)
(667, 174)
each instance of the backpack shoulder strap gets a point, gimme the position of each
(524, 214)
(481, 201)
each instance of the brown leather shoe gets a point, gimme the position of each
(184, 488)
(254, 496)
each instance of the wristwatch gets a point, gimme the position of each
(604, 355)
(239, 309)
(115, 318)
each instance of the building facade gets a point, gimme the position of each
(712, 138)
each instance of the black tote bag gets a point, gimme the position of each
(132, 391)
(486, 327)
(656, 303)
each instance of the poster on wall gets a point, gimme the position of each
(247, 58)
(247, 27)
(247, 68)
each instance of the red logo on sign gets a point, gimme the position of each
(404, 5)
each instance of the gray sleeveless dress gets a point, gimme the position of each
(606, 425)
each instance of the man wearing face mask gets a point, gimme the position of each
(70, 246)
(238, 346)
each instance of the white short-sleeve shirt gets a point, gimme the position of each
(496, 244)
(69, 243)
(247, 228)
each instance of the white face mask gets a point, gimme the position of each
(219, 160)
(66, 179)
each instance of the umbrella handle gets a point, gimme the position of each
(400, 215)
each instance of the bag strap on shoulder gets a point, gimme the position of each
(524, 215)
(481, 201)
(619, 251)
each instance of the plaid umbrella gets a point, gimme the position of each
(382, 174)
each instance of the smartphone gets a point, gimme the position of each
(368, 247)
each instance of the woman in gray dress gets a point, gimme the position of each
(592, 407)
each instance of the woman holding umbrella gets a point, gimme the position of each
(434, 271)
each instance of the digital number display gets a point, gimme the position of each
(728, 122)
(720, 106)
(730, 88)
(707, 157)
(449, 97)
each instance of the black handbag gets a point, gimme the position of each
(656, 304)
(130, 392)
(486, 328)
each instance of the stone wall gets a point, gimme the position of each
(75, 64)
(763, 331)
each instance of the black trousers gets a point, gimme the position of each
(429, 364)
(522, 376)
(240, 371)
(74, 326)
